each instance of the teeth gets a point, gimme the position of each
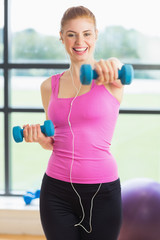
(80, 49)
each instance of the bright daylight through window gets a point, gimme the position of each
(127, 30)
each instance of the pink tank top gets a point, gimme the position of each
(93, 119)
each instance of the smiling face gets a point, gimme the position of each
(79, 37)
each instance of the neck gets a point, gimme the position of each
(75, 68)
(74, 72)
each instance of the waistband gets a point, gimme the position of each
(58, 186)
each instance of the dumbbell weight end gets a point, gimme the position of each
(126, 74)
(18, 134)
(48, 128)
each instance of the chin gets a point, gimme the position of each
(83, 59)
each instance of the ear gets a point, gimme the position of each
(96, 36)
(61, 36)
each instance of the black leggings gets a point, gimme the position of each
(60, 210)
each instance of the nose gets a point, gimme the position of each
(79, 39)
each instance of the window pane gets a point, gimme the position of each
(125, 36)
(29, 160)
(135, 146)
(1, 29)
(34, 39)
(1, 153)
(1, 89)
(25, 85)
(144, 92)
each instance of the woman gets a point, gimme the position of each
(80, 193)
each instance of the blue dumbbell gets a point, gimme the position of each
(29, 196)
(47, 129)
(87, 74)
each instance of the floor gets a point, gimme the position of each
(13, 207)
(21, 237)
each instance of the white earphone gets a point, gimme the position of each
(73, 142)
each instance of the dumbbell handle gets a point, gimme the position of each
(95, 75)
(125, 74)
(42, 130)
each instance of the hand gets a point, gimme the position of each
(32, 133)
(107, 71)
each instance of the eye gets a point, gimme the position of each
(87, 34)
(71, 35)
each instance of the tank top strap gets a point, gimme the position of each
(55, 83)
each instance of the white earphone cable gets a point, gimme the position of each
(73, 142)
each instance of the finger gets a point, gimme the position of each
(39, 132)
(99, 72)
(115, 70)
(105, 70)
(102, 72)
(30, 139)
(34, 133)
(110, 69)
(25, 132)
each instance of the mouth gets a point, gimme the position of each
(80, 50)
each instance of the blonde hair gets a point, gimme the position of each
(76, 12)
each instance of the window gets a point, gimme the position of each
(28, 160)
(126, 32)
(144, 92)
(1, 29)
(35, 53)
(34, 39)
(1, 153)
(25, 86)
(136, 146)
(1, 89)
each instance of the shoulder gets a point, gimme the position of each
(46, 91)
(117, 92)
(50, 83)
(46, 85)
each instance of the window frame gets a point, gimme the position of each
(6, 66)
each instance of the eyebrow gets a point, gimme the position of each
(76, 32)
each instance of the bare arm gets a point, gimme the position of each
(46, 91)
(116, 88)
(32, 133)
(108, 76)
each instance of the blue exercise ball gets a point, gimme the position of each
(141, 210)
